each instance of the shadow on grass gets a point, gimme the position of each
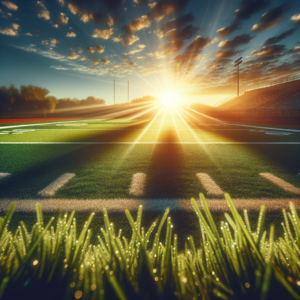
(26, 184)
(164, 172)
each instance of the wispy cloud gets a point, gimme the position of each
(43, 12)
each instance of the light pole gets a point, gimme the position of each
(237, 63)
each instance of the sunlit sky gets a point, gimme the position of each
(78, 48)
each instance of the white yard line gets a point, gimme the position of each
(210, 186)
(53, 187)
(35, 124)
(281, 183)
(154, 205)
(137, 187)
(149, 143)
(3, 175)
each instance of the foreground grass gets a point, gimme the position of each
(234, 261)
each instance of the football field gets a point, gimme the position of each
(158, 162)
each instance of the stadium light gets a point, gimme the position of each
(237, 64)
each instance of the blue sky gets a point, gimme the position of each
(78, 48)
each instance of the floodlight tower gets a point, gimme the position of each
(237, 63)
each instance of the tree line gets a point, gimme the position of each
(34, 100)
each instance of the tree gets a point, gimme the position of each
(8, 98)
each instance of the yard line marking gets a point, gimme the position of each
(32, 124)
(137, 186)
(210, 186)
(52, 188)
(281, 183)
(150, 143)
(3, 175)
(154, 205)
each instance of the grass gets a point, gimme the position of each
(235, 260)
(105, 171)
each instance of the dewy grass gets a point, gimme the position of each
(234, 261)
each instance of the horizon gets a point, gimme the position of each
(78, 48)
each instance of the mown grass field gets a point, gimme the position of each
(170, 148)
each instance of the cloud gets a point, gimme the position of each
(60, 68)
(294, 50)
(182, 34)
(179, 22)
(132, 64)
(162, 9)
(227, 53)
(247, 9)
(238, 40)
(296, 18)
(15, 26)
(130, 40)
(10, 31)
(62, 19)
(271, 18)
(140, 57)
(51, 43)
(269, 50)
(167, 49)
(71, 34)
(102, 12)
(99, 61)
(28, 33)
(104, 34)
(185, 61)
(137, 24)
(110, 21)
(83, 58)
(277, 38)
(117, 39)
(141, 48)
(43, 12)
(73, 55)
(55, 25)
(99, 49)
(225, 31)
(10, 5)
(61, 3)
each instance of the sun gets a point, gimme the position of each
(169, 98)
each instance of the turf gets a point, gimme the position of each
(105, 171)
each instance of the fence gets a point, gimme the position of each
(259, 86)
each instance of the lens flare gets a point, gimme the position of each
(169, 98)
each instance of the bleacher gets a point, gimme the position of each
(291, 102)
(281, 96)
